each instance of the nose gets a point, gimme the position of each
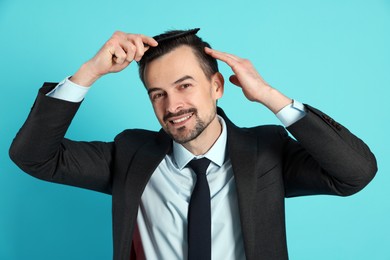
(174, 103)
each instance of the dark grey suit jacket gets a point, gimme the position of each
(268, 166)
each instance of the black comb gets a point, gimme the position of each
(164, 37)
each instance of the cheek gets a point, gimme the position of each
(158, 111)
(211, 97)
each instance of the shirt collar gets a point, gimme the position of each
(216, 154)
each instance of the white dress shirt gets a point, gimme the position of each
(162, 216)
(161, 231)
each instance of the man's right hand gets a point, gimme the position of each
(115, 55)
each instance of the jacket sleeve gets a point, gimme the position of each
(328, 160)
(41, 150)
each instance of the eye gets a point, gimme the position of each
(186, 85)
(157, 96)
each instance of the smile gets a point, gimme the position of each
(181, 119)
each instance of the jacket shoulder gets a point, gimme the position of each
(266, 130)
(136, 135)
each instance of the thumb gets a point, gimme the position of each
(233, 79)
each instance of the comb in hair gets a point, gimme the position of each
(164, 37)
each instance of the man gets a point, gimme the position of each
(252, 170)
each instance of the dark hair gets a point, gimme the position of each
(208, 64)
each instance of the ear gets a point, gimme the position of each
(217, 82)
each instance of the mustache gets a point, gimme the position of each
(181, 112)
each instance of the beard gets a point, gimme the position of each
(183, 134)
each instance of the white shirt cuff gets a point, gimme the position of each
(68, 91)
(291, 113)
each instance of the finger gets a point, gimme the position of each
(230, 59)
(146, 40)
(119, 47)
(221, 54)
(233, 79)
(119, 55)
(149, 40)
(130, 50)
(140, 49)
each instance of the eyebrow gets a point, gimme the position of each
(153, 89)
(182, 79)
(174, 83)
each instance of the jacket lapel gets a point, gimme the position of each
(145, 161)
(148, 157)
(242, 148)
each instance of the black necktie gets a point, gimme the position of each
(199, 214)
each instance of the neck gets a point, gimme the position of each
(206, 139)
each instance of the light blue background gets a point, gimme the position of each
(334, 55)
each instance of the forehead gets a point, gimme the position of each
(168, 68)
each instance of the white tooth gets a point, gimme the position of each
(181, 119)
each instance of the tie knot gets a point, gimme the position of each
(199, 165)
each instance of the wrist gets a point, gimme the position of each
(85, 76)
(273, 99)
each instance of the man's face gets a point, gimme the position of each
(183, 98)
